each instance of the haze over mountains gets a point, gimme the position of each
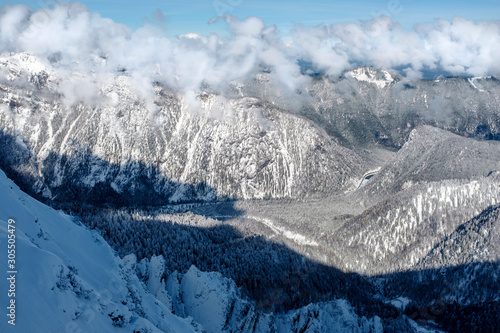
(347, 180)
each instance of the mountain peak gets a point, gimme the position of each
(380, 78)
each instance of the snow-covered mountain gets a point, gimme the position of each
(379, 78)
(368, 106)
(435, 183)
(397, 233)
(474, 247)
(157, 148)
(432, 155)
(126, 143)
(380, 181)
(477, 240)
(68, 279)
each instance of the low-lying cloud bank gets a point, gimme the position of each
(72, 39)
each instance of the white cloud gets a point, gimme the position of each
(93, 46)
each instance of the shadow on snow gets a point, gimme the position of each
(275, 277)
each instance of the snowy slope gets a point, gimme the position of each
(470, 257)
(69, 279)
(397, 233)
(475, 241)
(429, 155)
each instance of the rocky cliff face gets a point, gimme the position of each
(109, 138)
(215, 302)
(123, 147)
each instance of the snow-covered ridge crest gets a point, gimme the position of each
(24, 62)
(476, 82)
(380, 78)
(21, 67)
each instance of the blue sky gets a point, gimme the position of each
(193, 15)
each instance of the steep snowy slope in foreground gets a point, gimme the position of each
(68, 278)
